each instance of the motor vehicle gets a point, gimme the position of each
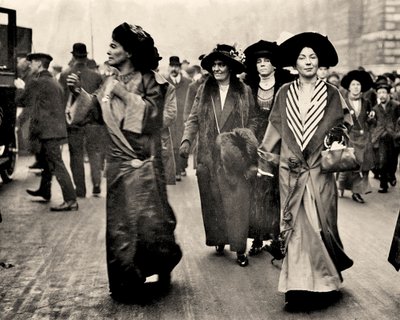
(8, 73)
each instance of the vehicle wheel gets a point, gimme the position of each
(8, 173)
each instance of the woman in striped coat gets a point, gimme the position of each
(304, 111)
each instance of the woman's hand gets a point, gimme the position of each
(74, 83)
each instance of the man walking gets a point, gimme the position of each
(91, 132)
(43, 96)
(181, 87)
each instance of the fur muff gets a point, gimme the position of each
(238, 151)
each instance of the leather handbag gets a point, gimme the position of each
(338, 160)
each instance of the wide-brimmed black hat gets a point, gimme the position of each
(227, 54)
(79, 50)
(290, 49)
(174, 61)
(382, 83)
(260, 49)
(39, 56)
(362, 77)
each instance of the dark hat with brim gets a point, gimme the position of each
(260, 49)
(226, 53)
(79, 50)
(174, 61)
(290, 49)
(382, 83)
(39, 56)
(362, 77)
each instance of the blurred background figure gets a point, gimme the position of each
(89, 135)
(357, 82)
(181, 85)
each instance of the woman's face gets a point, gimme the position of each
(307, 63)
(117, 55)
(264, 66)
(220, 71)
(355, 87)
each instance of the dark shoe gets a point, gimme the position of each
(178, 177)
(274, 249)
(256, 248)
(357, 198)
(96, 191)
(383, 190)
(220, 249)
(393, 182)
(36, 165)
(66, 206)
(242, 259)
(183, 173)
(164, 281)
(46, 195)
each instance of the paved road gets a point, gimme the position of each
(59, 269)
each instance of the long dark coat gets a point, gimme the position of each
(384, 123)
(225, 207)
(279, 149)
(265, 207)
(44, 96)
(360, 135)
(140, 222)
(394, 253)
(178, 127)
(167, 149)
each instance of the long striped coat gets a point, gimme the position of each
(295, 137)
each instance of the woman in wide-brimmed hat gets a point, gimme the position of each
(357, 82)
(265, 77)
(305, 110)
(140, 223)
(221, 105)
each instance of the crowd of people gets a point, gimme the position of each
(256, 122)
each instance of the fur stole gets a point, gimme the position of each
(238, 152)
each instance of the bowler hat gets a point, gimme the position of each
(174, 61)
(290, 49)
(260, 49)
(39, 56)
(382, 83)
(226, 53)
(362, 77)
(79, 50)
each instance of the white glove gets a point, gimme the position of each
(19, 83)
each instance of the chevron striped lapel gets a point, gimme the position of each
(304, 131)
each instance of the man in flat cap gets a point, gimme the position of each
(44, 97)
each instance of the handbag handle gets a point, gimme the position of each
(328, 146)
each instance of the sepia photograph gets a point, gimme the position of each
(199, 159)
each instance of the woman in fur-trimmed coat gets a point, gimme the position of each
(222, 104)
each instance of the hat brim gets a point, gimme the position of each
(80, 55)
(260, 49)
(290, 49)
(39, 56)
(362, 77)
(207, 62)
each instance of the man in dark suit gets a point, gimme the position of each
(91, 132)
(181, 87)
(44, 96)
(384, 116)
